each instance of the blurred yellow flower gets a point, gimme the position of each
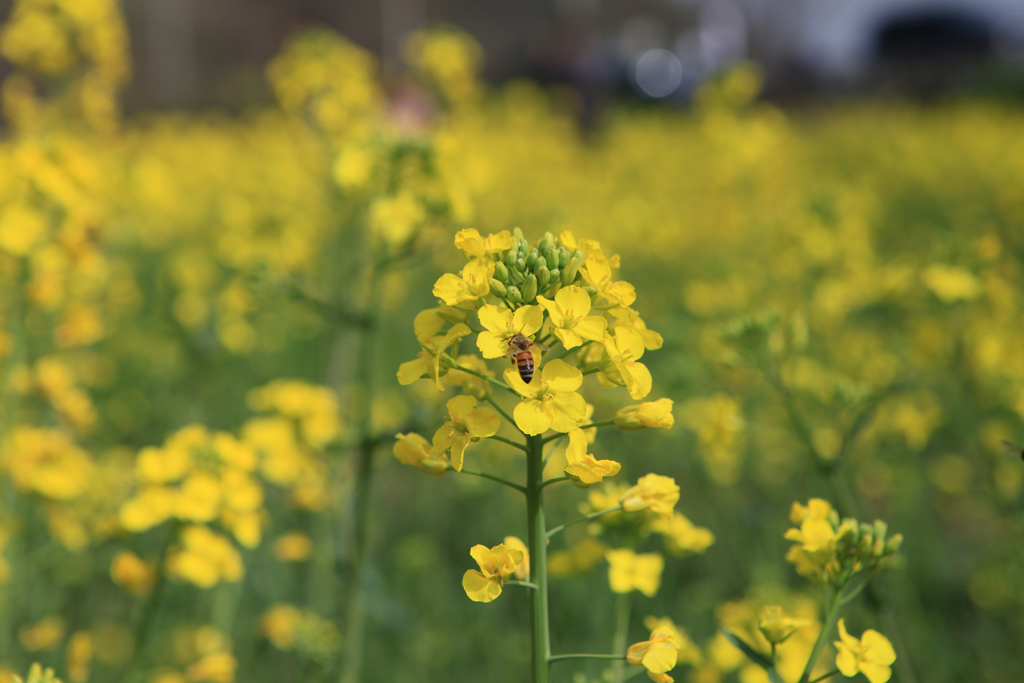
(653, 492)
(776, 626)
(682, 537)
(473, 245)
(133, 573)
(629, 571)
(45, 634)
(655, 415)
(205, 558)
(428, 361)
(413, 449)
(293, 547)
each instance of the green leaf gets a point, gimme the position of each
(754, 656)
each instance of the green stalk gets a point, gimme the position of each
(826, 628)
(355, 614)
(619, 640)
(537, 537)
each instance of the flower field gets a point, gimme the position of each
(263, 415)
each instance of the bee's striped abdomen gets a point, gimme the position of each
(524, 360)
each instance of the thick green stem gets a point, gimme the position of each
(831, 617)
(537, 535)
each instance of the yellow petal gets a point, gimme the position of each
(412, 370)
(566, 410)
(516, 382)
(560, 376)
(459, 443)
(482, 422)
(532, 417)
(876, 673)
(527, 320)
(491, 345)
(574, 302)
(460, 406)
(496, 319)
(878, 646)
(479, 588)
(592, 327)
(638, 379)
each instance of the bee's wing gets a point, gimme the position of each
(537, 346)
(1013, 449)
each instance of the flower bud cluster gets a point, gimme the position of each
(524, 271)
(832, 551)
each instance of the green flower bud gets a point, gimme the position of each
(510, 257)
(518, 234)
(555, 274)
(541, 262)
(500, 272)
(892, 545)
(580, 258)
(569, 271)
(591, 290)
(532, 259)
(563, 257)
(864, 545)
(498, 289)
(880, 529)
(521, 265)
(547, 241)
(543, 277)
(517, 278)
(550, 257)
(514, 295)
(878, 549)
(529, 288)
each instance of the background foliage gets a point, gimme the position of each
(838, 290)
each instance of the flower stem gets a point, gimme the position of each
(484, 475)
(559, 658)
(583, 519)
(501, 411)
(826, 629)
(575, 348)
(554, 481)
(510, 442)
(470, 371)
(619, 640)
(830, 674)
(537, 535)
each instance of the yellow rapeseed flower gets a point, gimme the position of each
(205, 558)
(629, 571)
(428, 362)
(625, 346)
(413, 449)
(658, 655)
(597, 272)
(569, 317)
(294, 546)
(654, 414)
(45, 634)
(776, 626)
(550, 401)
(583, 468)
(466, 424)
(131, 572)
(47, 462)
(501, 324)
(872, 655)
(472, 285)
(497, 566)
(683, 537)
(653, 492)
(473, 245)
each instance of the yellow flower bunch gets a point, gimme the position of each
(831, 551)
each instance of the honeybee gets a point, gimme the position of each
(519, 352)
(1013, 449)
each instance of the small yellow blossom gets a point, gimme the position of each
(776, 626)
(79, 656)
(293, 547)
(45, 634)
(629, 571)
(583, 468)
(569, 317)
(654, 414)
(501, 324)
(625, 347)
(204, 558)
(428, 361)
(473, 285)
(279, 623)
(597, 272)
(497, 566)
(466, 424)
(872, 655)
(951, 284)
(471, 384)
(133, 573)
(473, 245)
(683, 537)
(47, 462)
(652, 492)
(549, 401)
(413, 449)
(688, 651)
(658, 655)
